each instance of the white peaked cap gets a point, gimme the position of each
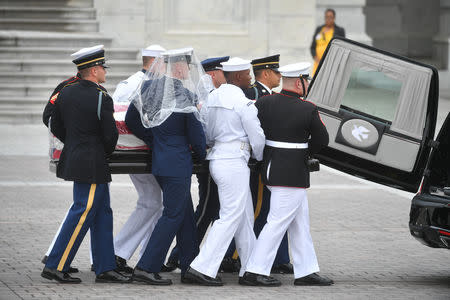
(295, 70)
(86, 51)
(153, 51)
(236, 64)
(177, 52)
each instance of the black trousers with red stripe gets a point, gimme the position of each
(90, 210)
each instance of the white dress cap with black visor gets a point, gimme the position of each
(296, 70)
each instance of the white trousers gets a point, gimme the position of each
(288, 211)
(139, 226)
(235, 217)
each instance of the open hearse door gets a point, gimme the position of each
(380, 110)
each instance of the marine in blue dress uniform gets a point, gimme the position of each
(83, 120)
(172, 142)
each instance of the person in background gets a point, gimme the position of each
(323, 35)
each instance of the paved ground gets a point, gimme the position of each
(360, 230)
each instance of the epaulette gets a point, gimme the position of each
(105, 93)
(55, 96)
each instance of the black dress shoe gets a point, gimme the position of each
(169, 266)
(195, 277)
(44, 259)
(229, 265)
(71, 269)
(141, 275)
(313, 279)
(112, 277)
(122, 266)
(61, 277)
(92, 268)
(283, 269)
(254, 279)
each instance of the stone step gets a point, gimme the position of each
(63, 65)
(48, 3)
(22, 89)
(51, 77)
(12, 102)
(62, 53)
(77, 40)
(20, 117)
(37, 13)
(19, 108)
(58, 25)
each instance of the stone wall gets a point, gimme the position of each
(245, 28)
(405, 27)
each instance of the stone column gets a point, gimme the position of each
(349, 14)
(405, 27)
(441, 49)
(441, 42)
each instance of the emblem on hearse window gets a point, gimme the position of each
(359, 134)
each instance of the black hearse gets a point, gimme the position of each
(380, 110)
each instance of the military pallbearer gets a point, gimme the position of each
(83, 120)
(294, 131)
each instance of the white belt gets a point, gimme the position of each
(233, 144)
(286, 145)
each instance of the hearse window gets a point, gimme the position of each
(375, 84)
(372, 93)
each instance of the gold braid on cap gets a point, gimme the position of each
(266, 63)
(86, 62)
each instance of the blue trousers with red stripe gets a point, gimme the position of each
(90, 210)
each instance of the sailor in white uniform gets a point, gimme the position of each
(140, 224)
(233, 132)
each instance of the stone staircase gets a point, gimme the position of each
(36, 40)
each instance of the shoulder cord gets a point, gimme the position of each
(99, 105)
(256, 93)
